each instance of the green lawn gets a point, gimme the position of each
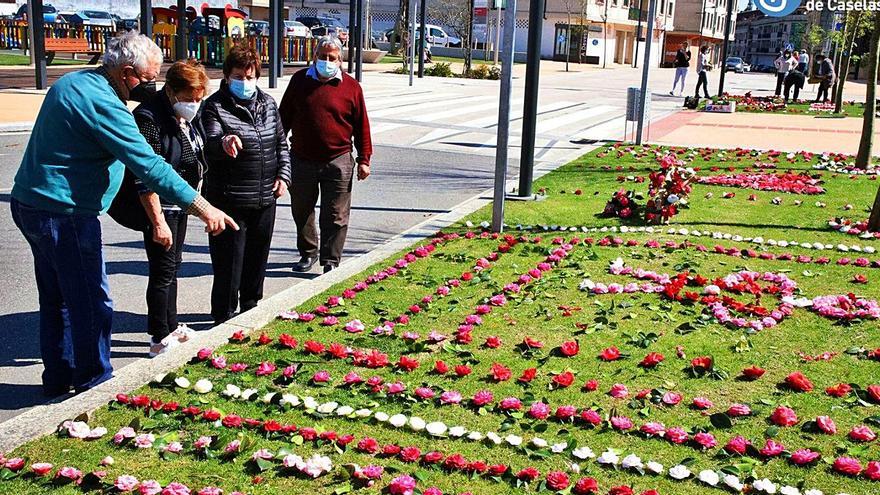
(552, 310)
(15, 59)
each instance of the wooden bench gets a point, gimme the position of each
(69, 45)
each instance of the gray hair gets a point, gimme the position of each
(328, 41)
(132, 49)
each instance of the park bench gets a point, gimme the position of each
(69, 45)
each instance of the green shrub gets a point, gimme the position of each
(440, 69)
(484, 71)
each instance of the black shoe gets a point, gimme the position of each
(52, 391)
(304, 264)
(327, 268)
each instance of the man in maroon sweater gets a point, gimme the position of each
(324, 110)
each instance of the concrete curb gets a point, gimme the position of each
(16, 127)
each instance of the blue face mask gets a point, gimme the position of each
(326, 68)
(243, 89)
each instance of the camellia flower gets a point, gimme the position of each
(676, 435)
(826, 424)
(500, 373)
(510, 404)
(702, 403)
(772, 448)
(862, 433)
(753, 373)
(539, 410)
(804, 456)
(610, 354)
(621, 423)
(671, 398)
(651, 360)
(798, 382)
(322, 376)
(679, 472)
(783, 416)
(737, 445)
(705, 440)
(557, 480)
(569, 348)
(528, 474)
(41, 468)
(564, 379)
(839, 390)
(872, 471)
(585, 486)
(847, 466)
(652, 429)
(738, 410)
(619, 391)
(125, 483)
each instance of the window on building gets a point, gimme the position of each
(670, 8)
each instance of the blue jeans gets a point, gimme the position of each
(76, 312)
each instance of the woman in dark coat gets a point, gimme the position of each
(250, 168)
(168, 122)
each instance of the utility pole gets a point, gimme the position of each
(638, 35)
(643, 100)
(351, 33)
(412, 40)
(422, 40)
(504, 117)
(274, 32)
(145, 23)
(182, 48)
(498, 30)
(359, 55)
(37, 42)
(530, 104)
(724, 46)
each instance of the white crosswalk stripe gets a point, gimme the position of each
(421, 106)
(556, 122)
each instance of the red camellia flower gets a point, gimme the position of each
(839, 390)
(826, 424)
(368, 445)
(528, 474)
(620, 490)
(557, 480)
(862, 433)
(407, 363)
(433, 457)
(500, 373)
(847, 466)
(859, 279)
(441, 368)
(493, 342)
(585, 486)
(798, 382)
(610, 354)
(702, 363)
(564, 379)
(287, 341)
(874, 393)
(232, 421)
(591, 385)
(497, 470)
(753, 373)
(528, 375)
(462, 370)
(737, 445)
(872, 471)
(410, 454)
(652, 360)
(569, 348)
(264, 339)
(533, 343)
(783, 416)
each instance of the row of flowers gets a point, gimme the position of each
(853, 227)
(781, 182)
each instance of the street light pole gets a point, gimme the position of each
(37, 43)
(412, 40)
(643, 100)
(530, 104)
(724, 46)
(422, 40)
(274, 30)
(359, 55)
(181, 46)
(351, 32)
(504, 117)
(145, 23)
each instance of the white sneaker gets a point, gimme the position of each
(163, 346)
(182, 333)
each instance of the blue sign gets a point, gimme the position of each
(777, 8)
(595, 42)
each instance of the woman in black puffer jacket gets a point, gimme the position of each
(249, 168)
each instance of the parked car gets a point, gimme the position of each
(436, 36)
(735, 64)
(97, 18)
(256, 28)
(50, 13)
(321, 26)
(297, 29)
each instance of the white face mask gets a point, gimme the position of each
(186, 110)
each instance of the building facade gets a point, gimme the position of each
(699, 22)
(759, 38)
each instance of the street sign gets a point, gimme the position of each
(789, 46)
(481, 11)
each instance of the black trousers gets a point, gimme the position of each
(788, 86)
(239, 261)
(162, 282)
(703, 81)
(780, 78)
(334, 181)
(822, 95)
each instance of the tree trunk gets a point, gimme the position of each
(874, 219)
(863, 159)
(399, 27)
(468, 48)
(849, 39)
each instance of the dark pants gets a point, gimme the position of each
(239, 261)
(76, 312)
(802, 67)
(822, 95)
(162, 284)
(703, 81)
(788, 86)
(780, 77)
(333, 180)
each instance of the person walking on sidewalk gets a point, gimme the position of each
(82, 141)
(249, 168)
(826, 77)
(803, 62)
(168, 122)
(682, 62)
(702, 66)
(324, 110)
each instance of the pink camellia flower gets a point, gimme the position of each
(173, 448)
(564, 413)
(705, 440)
(144, 440)
(203, 442)
(322, 376)
(482, 398)
(671, 398)
(772, 448)
(510, 404)
(738, 410)
(424, 393)
(175, 488)
(265, 368)
(804, 456)
(737, 445)
(210, 490)
(395, 388)
(826, 424)
(619, 391)
(204, 353)
(330, 321)
(41, 468)
(150, 487)
(450, 397)
(125, 483)
(352, 378)
(652, 428)
(107, 461)
(498, 300)
(402, 485)
(847, 466)
(539, 410)
(219, 362)
(232, 447)
(676, 435)
(621, 423)
(289, 371)
(238, 367)
(702, 403)
(69, 473)
(591, 417)
(14, 464)
(862, 433)
(354, 326)
(784, 416)
(872, 471)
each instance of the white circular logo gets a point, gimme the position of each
(777, 8)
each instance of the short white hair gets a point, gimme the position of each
(328, 41)
(131, 48)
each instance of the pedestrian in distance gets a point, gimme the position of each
(795, 79)
(682, 63)
(703, 65)
(784, 63)
(82, 141)
(804, 62)
(826, 77)
(323, 109)
(168, 122)
(249, 168)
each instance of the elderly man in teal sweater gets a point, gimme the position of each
(82, 140)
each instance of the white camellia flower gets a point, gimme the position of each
(159, 378)
(513, 440)
(764, 485)
(608, 457)
(267, 399)
(869, 249)
(381, 416)
(679, 472)
(291, 399)
(813, 491)
(436, 428)
(203, 386)
(789, 490)
(709, 477)
(558, 448)
(475, 436)
(344, 410)
(733, 482)
(231, 391)
(632, 461)
(310, 403)
(457, 431)
(397, 420)
(416, 423)
(583, 453)
(494, 438)
(327, 407)
(574, 467)
(654, 467)
(363, 413)
(539, 442)
(182, 382)
(249, 393)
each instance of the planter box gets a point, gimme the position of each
(371, 56)
(727, 108)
